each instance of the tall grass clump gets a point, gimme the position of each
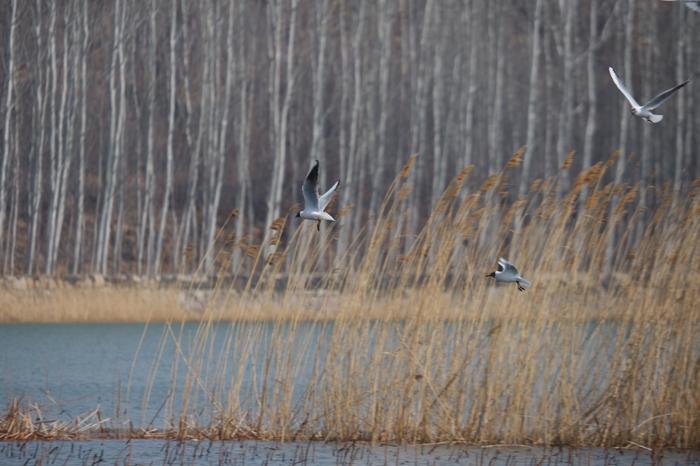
(402, 338)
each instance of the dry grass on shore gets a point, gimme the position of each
(94, 305)
(409, 342)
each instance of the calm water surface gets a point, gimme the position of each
(151, 452)
(69, 369)
(127, 370)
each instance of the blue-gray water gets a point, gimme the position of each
(69, 369)
(153, 452)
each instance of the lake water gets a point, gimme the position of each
(69, 369)
(127, 369)
(152, 452)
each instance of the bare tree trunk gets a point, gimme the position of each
(384, 33)
(115, 146)
(532, 107)
(625, 118)
(38, 121)
(680, 103)
(567, 102)
(624, 125)
(472, 87)
(194, 150)
(317, 139)
(351, 146)
(244, 131)
(439, 157)
(532, 119)
(79, 223)
(147, 222)
(276, 11)
(646, 129)
(419, 130)
(495, 139)
(14, 213)
(9, 96)
(592, 118)
(119, 230)
(217, 166)
(169, 149)
(56, 140)
(64, 156)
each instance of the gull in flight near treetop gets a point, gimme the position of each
(507, 273)
(315, 205)
(692, 4)
(644, 111)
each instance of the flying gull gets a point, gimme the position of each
(315, 205)
(507, 273)
(644, 111)
(692, 4)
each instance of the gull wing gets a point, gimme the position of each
(695, 6)
(661, 98)
(507, 266)
(621, 86)
(310, 188)
(325, 199)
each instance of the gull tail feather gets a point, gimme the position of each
(525, 283)
(656, 118)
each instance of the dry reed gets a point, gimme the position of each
(403, 339)
(409, 342)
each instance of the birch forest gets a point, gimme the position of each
(140, 136)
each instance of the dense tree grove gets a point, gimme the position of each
(132, 131)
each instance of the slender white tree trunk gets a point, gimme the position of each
(147, 222)
(351, 152)
(217, 167)
(592, 92)
(384, 33)
(624, 130)
(471, 87)
(439, 157)
(625, 118)
(169, 149)
(680, 103)
(79, 223)
(244, 132)
(9, 96)
(533, 103)
(280, 114)
(647, 142)
(564, 135)
(38, 121)
(495, 139)
(115, 147)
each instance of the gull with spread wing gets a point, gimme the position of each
(507, 273)
(315, 205)
(644, 111)
(691, 4)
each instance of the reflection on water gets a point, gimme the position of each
(155, 452)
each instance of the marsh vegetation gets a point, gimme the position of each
(403, 339)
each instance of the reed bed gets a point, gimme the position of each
(403, 339)
(411, 343)
(106, 304)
